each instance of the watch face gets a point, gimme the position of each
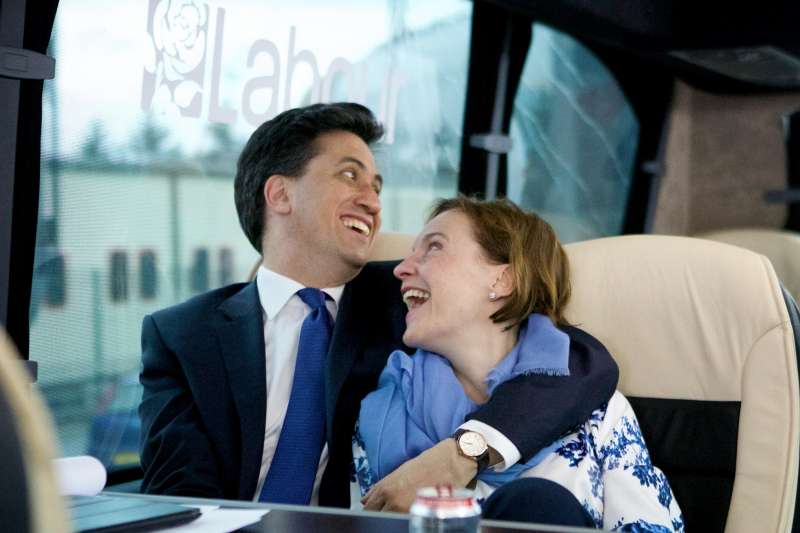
(472, 444)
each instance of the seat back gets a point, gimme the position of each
(29, 499)
(707, 354)
(391, 246)
(782, 248)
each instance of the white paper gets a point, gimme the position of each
(216, 520)
(81, 475)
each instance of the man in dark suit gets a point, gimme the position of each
(222, 374)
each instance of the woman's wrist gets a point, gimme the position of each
(463, 468)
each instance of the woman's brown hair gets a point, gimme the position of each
(537, 262)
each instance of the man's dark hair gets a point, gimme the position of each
(285, 145)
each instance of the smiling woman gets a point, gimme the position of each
(515, 256)
(486, 286)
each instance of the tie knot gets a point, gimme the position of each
(314, 298)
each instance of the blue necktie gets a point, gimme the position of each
(294, 466)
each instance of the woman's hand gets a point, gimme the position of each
(441, 464)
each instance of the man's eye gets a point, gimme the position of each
(433, 245)
(349, 174)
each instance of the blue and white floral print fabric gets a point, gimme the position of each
(604, 463)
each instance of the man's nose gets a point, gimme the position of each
(368, 198)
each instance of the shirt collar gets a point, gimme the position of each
(274, 290)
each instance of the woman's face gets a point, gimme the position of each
(446, 283)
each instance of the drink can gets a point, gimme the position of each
(444, 509)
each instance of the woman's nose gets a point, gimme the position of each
(406, 267)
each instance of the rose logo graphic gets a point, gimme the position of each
(175, 56)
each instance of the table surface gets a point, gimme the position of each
(299, 518)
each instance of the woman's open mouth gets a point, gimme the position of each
(414, 298)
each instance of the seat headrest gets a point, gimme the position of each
(390, 246)
(782, 248)
(696, 308)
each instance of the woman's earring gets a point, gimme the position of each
(492, 294)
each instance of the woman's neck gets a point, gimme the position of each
(473, 360)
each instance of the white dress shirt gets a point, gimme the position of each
(284, 313)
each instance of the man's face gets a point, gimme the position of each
(335, 203)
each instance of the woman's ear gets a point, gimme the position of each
(277, 196)
(504, 284)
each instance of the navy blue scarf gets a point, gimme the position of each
(420, 402)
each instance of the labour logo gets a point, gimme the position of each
(175, 57)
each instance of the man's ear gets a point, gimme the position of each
(504, 285)
(277, 194)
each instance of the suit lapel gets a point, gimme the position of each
(241, 341)
(344, 347)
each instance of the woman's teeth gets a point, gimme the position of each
(415, 297)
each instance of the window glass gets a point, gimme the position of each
(575, 137)
(151, 104)
(199, 277)
(148, 277)
(225, 266)
(119, 276)
(55, 272)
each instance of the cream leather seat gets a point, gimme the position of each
(782, 248)
(29, 499)
(707, 352)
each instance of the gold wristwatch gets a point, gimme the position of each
(472, 445)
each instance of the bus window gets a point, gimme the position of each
(199, 276)
(148, 276)
(575, 137)
(142, 126)
(119, 276)
(225, 266)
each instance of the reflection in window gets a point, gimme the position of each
(199, 275)
(119, 276)
(148, 279)
(575, 137)
(225, 267)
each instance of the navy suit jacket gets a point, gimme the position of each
(203, 409)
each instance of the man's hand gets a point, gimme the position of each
(439, 465)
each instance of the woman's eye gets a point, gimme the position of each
(349, 174)
(433, 245)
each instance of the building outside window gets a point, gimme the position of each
(148, 275)
(225, 266)
(199, 277)
(119, 277)
(55, 272)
